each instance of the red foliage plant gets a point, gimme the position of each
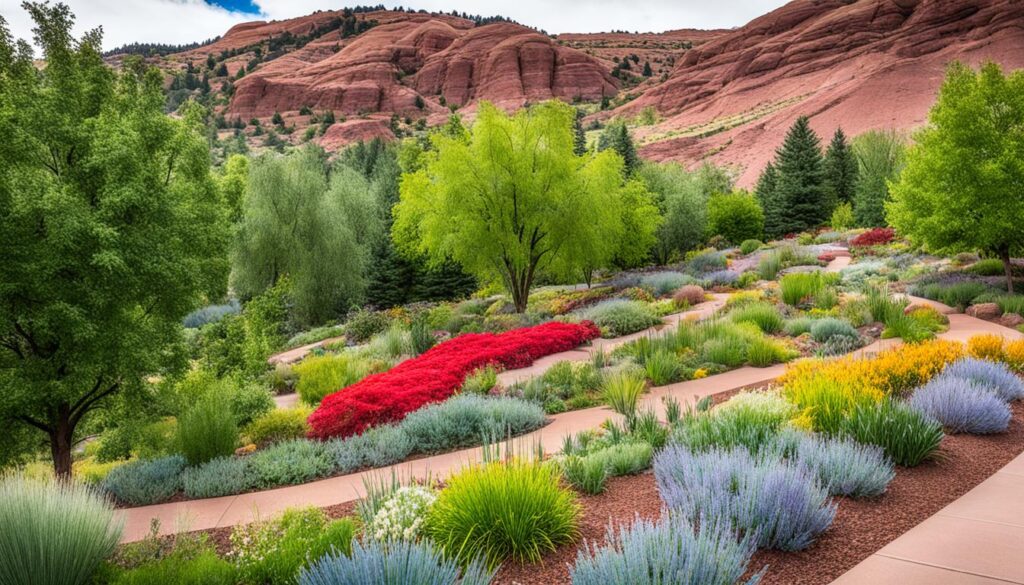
(874, 237)
(436, 374)
(826, 256)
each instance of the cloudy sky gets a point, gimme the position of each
(185, 21)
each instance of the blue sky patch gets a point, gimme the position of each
(236, 5)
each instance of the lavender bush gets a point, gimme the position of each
(962, 406)
(845, 467)
(667, 552)
(396, 562)
(991, 375)
(780, 504)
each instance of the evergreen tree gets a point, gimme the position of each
(616, 137)
(840, 170)
(647, 69)
(767, 195)
(579, 136)
(800, 191)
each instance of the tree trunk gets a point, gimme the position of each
(1004, 254)
(61, 438)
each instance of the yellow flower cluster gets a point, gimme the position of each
(994, 347)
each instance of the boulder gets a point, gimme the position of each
(1011, 320)
(986, 311)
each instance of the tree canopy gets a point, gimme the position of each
(616, 136)
(880, 156)
(510, 199)
(839, 171)
(963, 184)
(735, 216)
(113, 230)
(799, 189)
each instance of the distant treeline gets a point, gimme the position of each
(153, 49)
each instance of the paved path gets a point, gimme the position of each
(293, 355)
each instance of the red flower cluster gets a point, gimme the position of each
(874, 237)
(437, 374)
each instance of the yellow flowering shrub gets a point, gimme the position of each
(986, 347)
(1013, 355)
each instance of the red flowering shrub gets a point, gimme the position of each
(436, 374)
(874, 237)
(826, 256)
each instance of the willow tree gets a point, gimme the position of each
(113, 230)
(510, 199)
(316, 230)
(963, 184)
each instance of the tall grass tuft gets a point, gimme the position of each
(907, 436)
(393, 564)
(622, 391)
(207, 431)
(797, 287)
(53, 533)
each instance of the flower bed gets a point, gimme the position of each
(873, 237)
(437, 374)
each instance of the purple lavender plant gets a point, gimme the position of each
(962, 406)
(990, 375)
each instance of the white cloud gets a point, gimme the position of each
(185, 21)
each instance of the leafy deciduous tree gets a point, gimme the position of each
(735, 216)
(680, 200)
(880, 156)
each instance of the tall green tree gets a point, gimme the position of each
(616, 136)
(840, 171)
(963, 185)
(113, 230)
(880, 156)
(579, 134)
(319, 231)
(683, 206)
(735, 216)
(767, 195)
(232, 181)
(511, 200)
(799, 188)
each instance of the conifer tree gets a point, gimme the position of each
(616, 137)
(579, 135)
(800, 192)
(840, 170)
(766, 191)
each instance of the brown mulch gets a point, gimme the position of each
(861, 527)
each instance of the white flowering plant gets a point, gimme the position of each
(401, 516)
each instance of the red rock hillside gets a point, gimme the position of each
(857, 64)
(410, 56)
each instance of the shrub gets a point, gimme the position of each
(798, 326)
(391, 343)
(207, 430)
(222, 476)
(986, 347)
(840, 345)
(689, 295)
(962, 406)
(497, 511)
(249, 401)
(624, 458)
(671, 551)
(769, 265)
(1013, 355)
(780, 504)
(618, 317)
(290, 462)
(845, 467)
(990, 375)
(763, 352)
(376, 447)
(722, 278)
(278, 425)
(797, 287)
(374, 562)
(749, 419)
(480, 381)
(55, 533)
(203, 568)
(663, 367)
(402, 515)
(1011, 304)
(763, 314)
(907, 436)
(587, 474)
(988, 267)
(906, 328)
(873, 237)
(750, 246)
(622, 391)
(955, 294)
(210, 314)
(274, 551)
(362, 325)
(822, 330)
(664, 283)
(706, 261)
(736, 216)
(568, 379)
(826, 299)
(322, 375)
(437, 374)
(139, 483)
(315, 335)
(468, 419)
(842, 217)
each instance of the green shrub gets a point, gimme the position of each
(249, 401)
(569, 379)
(362, 325)
(763, 352)
(326, 374)
(663, 367)
(587, 474)
(750, 419)
(207, 430)
(481, 381)
(797, 287)
(957, 294)
(736, 216)
(826, 299)
(988, 267)
(291, 462)
(53, 533)
(624, 458)
(750, 246)
(706, 261)
(797, 326)
(907, 436)
(842, 217)
(273, 552)
(907, 328)
(469, 419)
(497, 511)
(278, 425)
(393, 342)
(620, 317)
(204, 568)
(763, 314)
(143, 482)
(825, 329)
(622, 391)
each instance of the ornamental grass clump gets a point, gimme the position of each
(622, 391)
(990, 375)
(664, 283)
(663, 367)
(393, 564)
(778, 504)
(823, 330)
(53, 532)
(749, 419)
(798, 287)
(907, 436)
(765, 315)
(587, 474)
(322, 375)
(207, 430)
(962, 406)
(843, 466)
(669, 551)
(503, 510)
